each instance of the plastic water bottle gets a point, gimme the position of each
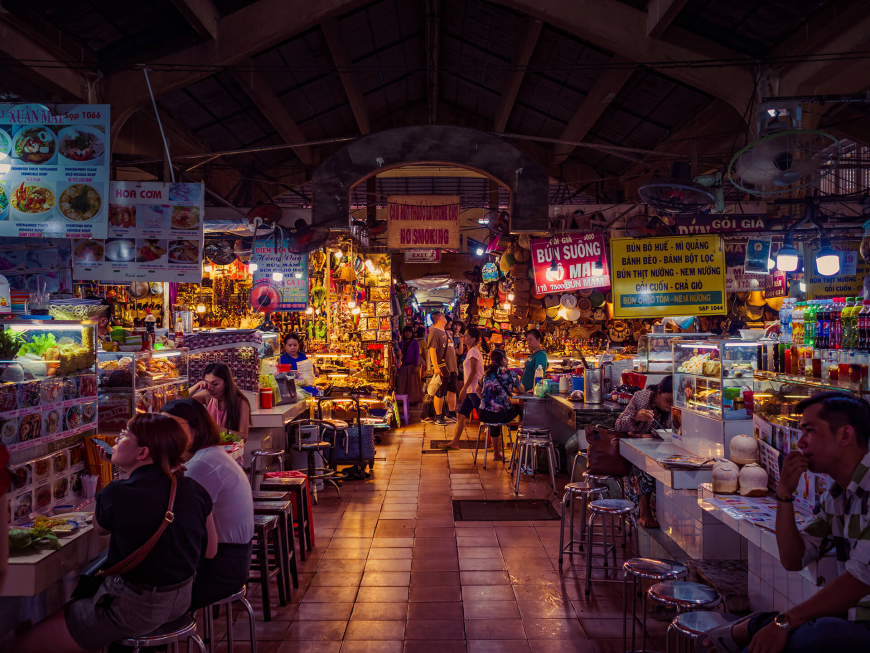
(539, 375)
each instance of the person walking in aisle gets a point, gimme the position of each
(442, 356)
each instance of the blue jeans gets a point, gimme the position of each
(825, 634)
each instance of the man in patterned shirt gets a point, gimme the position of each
(836, 428)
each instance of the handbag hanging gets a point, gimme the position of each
(603, 455)
(88, 585)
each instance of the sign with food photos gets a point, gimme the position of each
(154, 233)
(39, 484)
(54, 170)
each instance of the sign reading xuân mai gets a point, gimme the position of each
(423, 222)
(659, 277)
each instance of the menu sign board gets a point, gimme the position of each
(291, 292)
(659, 277)
(849, 281)
(54, 170)
(564, 263)
(155, 233)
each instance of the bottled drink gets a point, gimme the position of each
(836, 325)
(864, 326)
(179, 333)
(817, 364)
(824, 322)
(539, 375)
(810, 323)
(843, 365)
(797, 322)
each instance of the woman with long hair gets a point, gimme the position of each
(223, 399)
(469, 398)
(139, 599)
(223, 478)
(498, 385)
(408, 377)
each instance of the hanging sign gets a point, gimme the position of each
(849, 281)
(757, 259)
(423, 221)
(658, 277)
(291, 292)
(422, 255)
(715, 223)
(154, 234)
(775, 285)
(737, 281)
(574, 256)
(54, 170)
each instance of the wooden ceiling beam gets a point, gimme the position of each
(260, 91)
(202, 15)
(521, 61)
(602, 93)
(356, 99)
(660, 14)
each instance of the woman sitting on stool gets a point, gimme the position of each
(499, 383)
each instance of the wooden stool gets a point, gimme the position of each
(265, 529)
(271, 496)
(299, 488)
(283, 510)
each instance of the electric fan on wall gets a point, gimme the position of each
(306, 238)
(681, 193)
(784, 157)
(498, 222)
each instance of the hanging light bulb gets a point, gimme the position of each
(480, 251)
(277, 276)
(200, 308)
(356, 311)
(351, 303)
(553, 271)
(506, 306)
(510, 296)
(207, 268)
(787, 257)
(309, 310)
(339, 254)
(252, 267)
(770, 263)
(369, 265)
(802, 285)
(827, 260)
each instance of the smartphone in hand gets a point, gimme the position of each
(104, 446)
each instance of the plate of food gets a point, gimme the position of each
(121, 250)
(52, 422)
(76, 455)
(81, 144)
(9, 431)
(151, 251)
(153, 216)
(61, 487)
(8, 397)
(123, 217)
(35, 145)
(57, 525)
(5, 143)
(70, 388)
(184, 251)
(89, 413)
(41, 468)
(89, 251)
(50, 390)
(73, 417)
(29, 394)
(80, 203)
(30, 427)
(22, 505)
(185, 217)
(43, 496)
(32, 201)
(4, 203)
(88, 385)
(61, 462)
(21, 477)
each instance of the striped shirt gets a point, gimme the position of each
(627, 422)
(842, 525)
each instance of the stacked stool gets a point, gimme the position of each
(683, 596)
(525, 455)
(614, 509)
(644, 569)
(522, 434)
(584, 491)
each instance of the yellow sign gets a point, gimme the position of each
(848, 283)
(423, 222)
(660, 277)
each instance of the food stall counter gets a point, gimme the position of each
(645, 453)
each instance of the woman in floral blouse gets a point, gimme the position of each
(495, 398)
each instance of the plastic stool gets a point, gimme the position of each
(644, 569)
(170, 635)
(406, 407)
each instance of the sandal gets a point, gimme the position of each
(721, 638)
(447, 447)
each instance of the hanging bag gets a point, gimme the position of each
(603, 455)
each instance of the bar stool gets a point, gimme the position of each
(298, 487)
(170, 635)
(266, 530)
(528, 450)
(283, 510)
(271, 496)
(644, 569)
(325, 428)
(488, 428)
(526, 433)
(572, 490)
(263, 453)
(208, 621)
(692, 625)
(613, 508)
(683, 596)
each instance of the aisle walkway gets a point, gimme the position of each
(392, 573)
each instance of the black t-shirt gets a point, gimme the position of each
(132, 510)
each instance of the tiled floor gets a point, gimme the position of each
(392, 573)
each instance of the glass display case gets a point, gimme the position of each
(711, 376)
(271, 347)
(654, 353)
(48, 385)
(134, 371)
(776, 396)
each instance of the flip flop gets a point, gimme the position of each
(447, 447)
(721, 638)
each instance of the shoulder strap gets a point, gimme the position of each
(132, 561)
(508, 392)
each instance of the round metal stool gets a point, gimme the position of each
(170, 635)
(643, 569)
(692, 625)
(528, 451)
(208, 621)
(613, 508)
(572, 490)
(262, 453)
(522, 434)
(488, 427)
(683, 596)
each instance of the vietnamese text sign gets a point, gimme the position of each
(843, 284)
(292, 290)
(658, 277)
(154, 234)
(736, 280)
(574, 257)
(713, 223)
(58, 170)
(423, 222)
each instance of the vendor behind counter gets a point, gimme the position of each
(538, 357)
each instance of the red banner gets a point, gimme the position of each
(574, 256)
